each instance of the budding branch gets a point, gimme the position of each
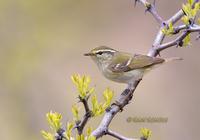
(157, 47)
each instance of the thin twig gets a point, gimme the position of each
(151, 9)
(179, 28)
(85, 104)
(160, 35)
(88, 114)
(172, 43)
(178, 39)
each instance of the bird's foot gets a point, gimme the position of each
(117, 103)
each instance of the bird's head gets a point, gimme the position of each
(102, 55)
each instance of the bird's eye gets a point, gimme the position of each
(100, 53)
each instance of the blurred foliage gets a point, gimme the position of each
(68, 132)
(47, 135)
(146, 133)
(168, 30)
(38, 39)
(75, 112)
(190, 10)
(99, 108)
(188, 19)
(54, 120)
(187, 41)
(82, 84)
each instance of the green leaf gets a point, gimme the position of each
(191, 2)
(190, 11)
(97, 108)
(80, 137)
(89, 131)
(185, 20)
(108, 95)
(47, 135)
(187, 10)
(95, 105)
(54, 120)
(168, 30)
(91, 90)
(186, 41)
(82, 84)
(146, 133)
(100, 109)
(164, 30)
(171, 26)
(196, 9)
(91, 137)
(68, 131)
(75, 112)
(198, 21)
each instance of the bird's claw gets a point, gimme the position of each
(117, 103)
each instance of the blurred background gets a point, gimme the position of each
(42, 44)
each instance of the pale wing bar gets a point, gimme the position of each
(137, 62)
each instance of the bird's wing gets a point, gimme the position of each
(128, 62)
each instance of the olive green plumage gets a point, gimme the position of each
(123, 67)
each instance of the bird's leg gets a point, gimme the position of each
(116, 103)
(126, 95)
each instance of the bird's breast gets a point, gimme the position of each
(123, 77)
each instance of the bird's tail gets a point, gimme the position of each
(172, 59)
(166, 60)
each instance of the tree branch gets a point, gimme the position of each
(123, 100)
(118, 136)
(160, 35)
(179, 39)
(179, 28)
(127, 94)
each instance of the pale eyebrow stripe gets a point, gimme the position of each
(105, 51)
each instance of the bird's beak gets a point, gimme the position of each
(89, 54)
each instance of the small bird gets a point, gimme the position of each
(124, 67)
